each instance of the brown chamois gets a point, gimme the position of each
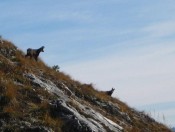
(110, 92)
(34, 53)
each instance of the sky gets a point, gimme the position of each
(128, 45)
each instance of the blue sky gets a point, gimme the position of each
(129, 45)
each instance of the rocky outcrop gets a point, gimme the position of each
(77, 119)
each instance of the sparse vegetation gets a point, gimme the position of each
(56, 68)
(26, 103)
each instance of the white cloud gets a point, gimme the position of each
(161, 29)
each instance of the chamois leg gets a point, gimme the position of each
(36, 58)
(26, 55)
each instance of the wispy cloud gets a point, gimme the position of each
(162, 29)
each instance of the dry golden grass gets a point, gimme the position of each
(45, 117)
(33, 106)
(44, 105)
(1, 76)
(11, 90)
(8, 109)
(48, 120)
(13, 108)
(7, 44)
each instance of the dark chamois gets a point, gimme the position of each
(34, 52)
(110, 92)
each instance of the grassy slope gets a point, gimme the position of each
(22, 102)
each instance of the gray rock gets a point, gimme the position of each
(60, 108)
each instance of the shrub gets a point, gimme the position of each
(56, 68)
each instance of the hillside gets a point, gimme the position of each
(35, 97)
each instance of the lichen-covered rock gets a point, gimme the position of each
(59, 108)
(74, 122)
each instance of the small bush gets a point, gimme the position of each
(56, 68)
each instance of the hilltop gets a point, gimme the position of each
(36, 97)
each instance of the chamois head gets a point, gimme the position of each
(42, 49)
(110, 92)
(112, 89)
